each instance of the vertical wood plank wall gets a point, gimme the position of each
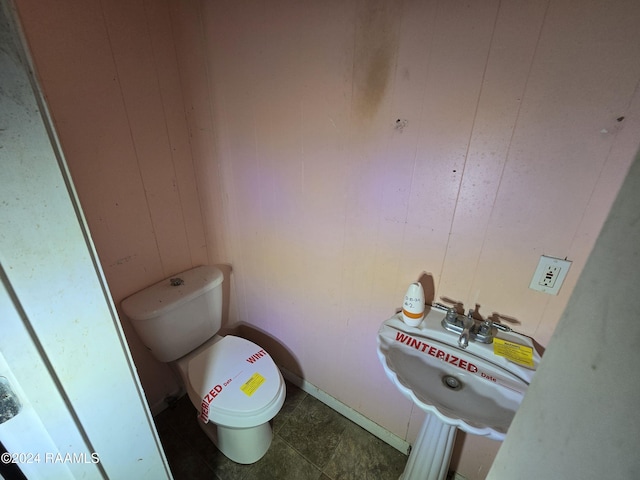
(334, 152)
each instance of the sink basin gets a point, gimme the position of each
(472, 389)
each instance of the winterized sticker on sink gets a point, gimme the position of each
(436, 352)
(432, 350)
(513, 351)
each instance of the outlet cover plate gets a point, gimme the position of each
(550, 275)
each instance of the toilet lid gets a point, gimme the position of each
(234, 376)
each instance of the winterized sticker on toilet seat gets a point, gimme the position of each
(250, 386)
(254, 382)
(211, 396)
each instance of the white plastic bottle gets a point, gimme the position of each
(413, 306)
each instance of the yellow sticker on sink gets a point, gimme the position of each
(513, 351)
(250, 386)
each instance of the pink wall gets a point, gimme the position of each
(266, 136)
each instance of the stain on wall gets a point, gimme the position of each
(376, 45)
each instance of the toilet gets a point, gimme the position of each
(233, 383)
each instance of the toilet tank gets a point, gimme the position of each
(178, 314)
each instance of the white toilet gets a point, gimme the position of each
(233, 383)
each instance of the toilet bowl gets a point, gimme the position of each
(234, 384)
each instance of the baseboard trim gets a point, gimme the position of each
(348, 412)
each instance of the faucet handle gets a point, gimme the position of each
(486, 326)
(452, 315)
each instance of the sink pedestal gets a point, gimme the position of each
(430, 455)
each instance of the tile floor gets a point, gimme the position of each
(311, 442)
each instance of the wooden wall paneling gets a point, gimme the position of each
(513, 45)
(139, 79)
(166, 64)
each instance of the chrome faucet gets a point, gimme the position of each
(468, 324)
(468, 327)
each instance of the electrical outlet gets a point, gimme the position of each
(549, 275)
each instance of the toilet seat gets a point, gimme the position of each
(243, 385)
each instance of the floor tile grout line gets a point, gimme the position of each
(300, 454)
(321, 469)
(288, 419)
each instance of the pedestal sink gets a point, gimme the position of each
(470, 389)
